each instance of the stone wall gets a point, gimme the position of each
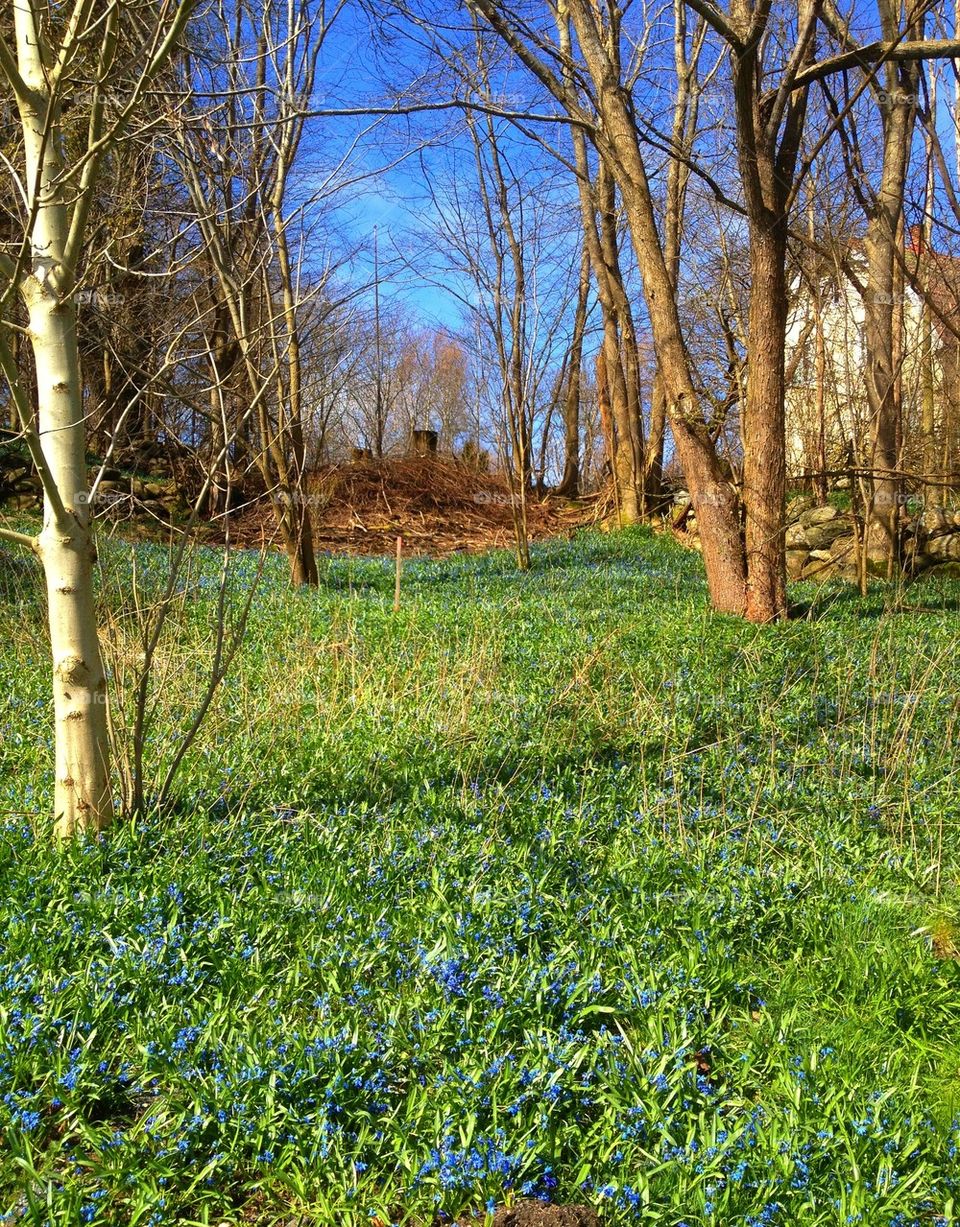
(118, 496)
(821, 542)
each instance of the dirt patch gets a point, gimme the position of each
(538, 1214)
(437, 505)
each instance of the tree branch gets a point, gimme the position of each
(717, 21)
(22, 539)
(871, 54)
(9, 69)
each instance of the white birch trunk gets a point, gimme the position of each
(65, 545)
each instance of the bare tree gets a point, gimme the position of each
(237, 161)
(609, 117)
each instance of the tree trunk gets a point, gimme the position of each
(767, 158)
(628, 494)
(569, 485)
(714, 500)
(82, 798)
(764, 452)
(303, 562)
(297, 533)
(897, 103)
(653, 491)
(623, 400)
(625, 375)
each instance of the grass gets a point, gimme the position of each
(549, 885)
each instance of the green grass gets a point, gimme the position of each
(552, 884)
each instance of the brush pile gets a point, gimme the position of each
(437, 504)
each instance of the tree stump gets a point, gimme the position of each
(425, 442)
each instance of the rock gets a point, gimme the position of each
(818, 515)
(947, 545)
(821, 536)
(941, 570)
(813, 570)
(823, 565)
(796, 537)
(155, 508)
(797, 506)
(796, 561)
(936, 520)
(844, 547)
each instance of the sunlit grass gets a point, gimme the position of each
(551, 884)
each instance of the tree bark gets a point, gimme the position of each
(764, 450)
(82, 798)
(621, 359)
(897, 104)
(767, 149)
(714, 500)
(569, 486)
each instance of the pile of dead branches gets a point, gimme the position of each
(437, 505)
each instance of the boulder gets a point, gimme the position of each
(936, 520)
(819, 515)
(944, 546)
(796, 537)
(796, 561)
(21, 502)
(155, 507)
(821, 536)
(797, 506)
(844, 547)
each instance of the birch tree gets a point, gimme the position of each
(78, 51)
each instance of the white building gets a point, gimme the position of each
(828, 419)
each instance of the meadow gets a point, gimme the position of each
(550, 885)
